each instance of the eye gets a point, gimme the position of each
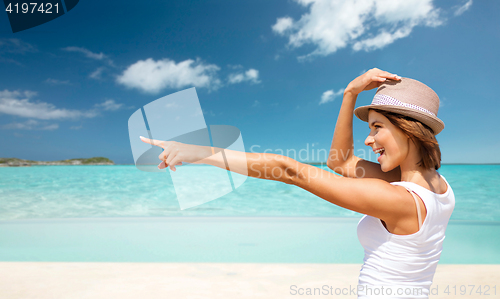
(377, 126)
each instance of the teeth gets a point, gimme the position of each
(379, 151)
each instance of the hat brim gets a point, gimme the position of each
(433, 122)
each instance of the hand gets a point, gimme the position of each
(175, 152)
(369, 80)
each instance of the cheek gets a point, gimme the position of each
(401, 146)
(403, 142)
(394, 145)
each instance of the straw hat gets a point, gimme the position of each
(407, 97)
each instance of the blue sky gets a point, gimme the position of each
(274, 69)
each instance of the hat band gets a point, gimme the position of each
(382, 99)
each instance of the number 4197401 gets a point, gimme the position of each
(30, 8)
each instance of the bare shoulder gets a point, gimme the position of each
(367, 169)
(357, 167)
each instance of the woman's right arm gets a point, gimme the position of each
(341, 158)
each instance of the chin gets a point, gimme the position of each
(386, 168)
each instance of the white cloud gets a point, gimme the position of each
(383, 39)
(172, 105)
(252, 75)
(463, 8)
(19, 104)
(153, 76)
(331, 25)
(90, 54)
(8, 60)
(30, 125)
(86, 52)
(109, 105)
(282, 25)
(210, 113)
(97, 73)
(442, 101)
(57, 82)
(235, 67)
(14, 45)
(330, 95)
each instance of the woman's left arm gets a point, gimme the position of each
(374, 197)
(258, 165)
(370, 196)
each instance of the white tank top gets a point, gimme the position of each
(404, 261)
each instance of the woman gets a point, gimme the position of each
(406, 202)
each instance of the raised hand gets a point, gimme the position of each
(369, 80)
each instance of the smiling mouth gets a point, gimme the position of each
(380, 151)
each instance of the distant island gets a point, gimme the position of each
(6, 162)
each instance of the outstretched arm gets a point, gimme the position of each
(258, 165)
(368, 196)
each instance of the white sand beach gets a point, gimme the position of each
(218, 257)
(77, 280)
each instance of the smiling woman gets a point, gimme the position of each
(407, 204)
(402, 250)
(421, 136)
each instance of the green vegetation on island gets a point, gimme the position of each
(77, 161)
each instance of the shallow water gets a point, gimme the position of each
(123, 191)
(220, 240)
(120, 214)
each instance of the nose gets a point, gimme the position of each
(369, 140)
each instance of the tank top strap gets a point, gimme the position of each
(418, 207)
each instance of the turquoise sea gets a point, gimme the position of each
(121, 214)
(124, 191)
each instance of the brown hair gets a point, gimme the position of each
(422, 136)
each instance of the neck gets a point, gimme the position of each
(410, 172)
(418, 174)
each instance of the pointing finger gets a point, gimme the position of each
(152, 141)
